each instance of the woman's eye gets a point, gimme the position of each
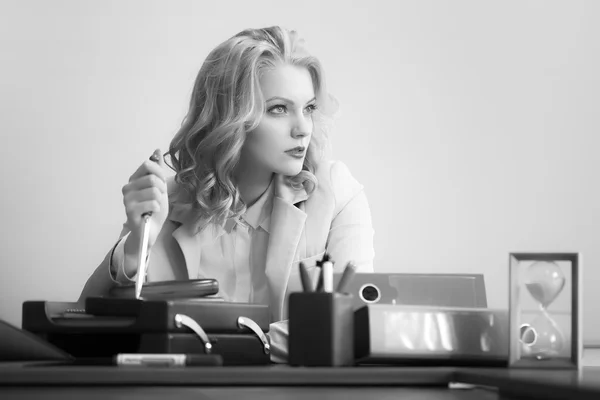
(311, 108)
(282, 109)
(277, 109)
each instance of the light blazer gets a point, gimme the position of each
(334, 217)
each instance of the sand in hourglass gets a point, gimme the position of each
(544, 292)
(547, 340)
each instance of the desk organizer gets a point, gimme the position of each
(321, 329)
(440, 336)
(108, 326)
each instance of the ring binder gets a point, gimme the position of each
(248, 323)
(184, 320)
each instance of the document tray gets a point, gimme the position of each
(152, 316)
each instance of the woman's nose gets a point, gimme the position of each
(303, 126)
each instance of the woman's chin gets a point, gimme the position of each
(292, 168)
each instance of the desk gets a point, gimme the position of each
(245, 393)
(539, 384)
(35, 380)
(38, 380)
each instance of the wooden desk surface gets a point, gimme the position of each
(39, 380)
(245, 393)
(44, 373)
(543, 384)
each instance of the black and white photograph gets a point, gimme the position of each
(300, 200)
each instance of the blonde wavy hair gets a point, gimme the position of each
(226, 105)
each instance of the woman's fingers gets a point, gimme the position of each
(145, 182)
(140, 208)
(151, 167)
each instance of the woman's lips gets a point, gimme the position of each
(296, 153)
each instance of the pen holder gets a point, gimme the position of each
(321, 329)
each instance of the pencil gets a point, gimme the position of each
(306, 283)
(327, 274)
(347, 276)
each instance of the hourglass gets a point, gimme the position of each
(536, 338)
(543, 338)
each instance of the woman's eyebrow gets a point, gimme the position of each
(288, 100)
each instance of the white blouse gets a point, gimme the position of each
(234, 254)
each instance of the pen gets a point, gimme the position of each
(167, 360)
(143, 250)
(148, 360)
(347, 276)
(327, 271)
(320, 280)
(306, 283)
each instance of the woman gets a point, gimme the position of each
(253, 194)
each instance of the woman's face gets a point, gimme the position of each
(287, 123)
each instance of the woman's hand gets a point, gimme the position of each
(145, 192)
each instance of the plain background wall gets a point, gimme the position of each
(472, 124)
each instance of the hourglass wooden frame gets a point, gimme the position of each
(576, 343)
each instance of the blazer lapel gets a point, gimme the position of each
(186, 237)
(285, 230)
(286, 226)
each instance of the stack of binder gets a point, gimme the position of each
(111, 326)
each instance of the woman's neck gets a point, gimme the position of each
(252, 183)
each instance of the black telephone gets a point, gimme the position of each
(170, 290)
